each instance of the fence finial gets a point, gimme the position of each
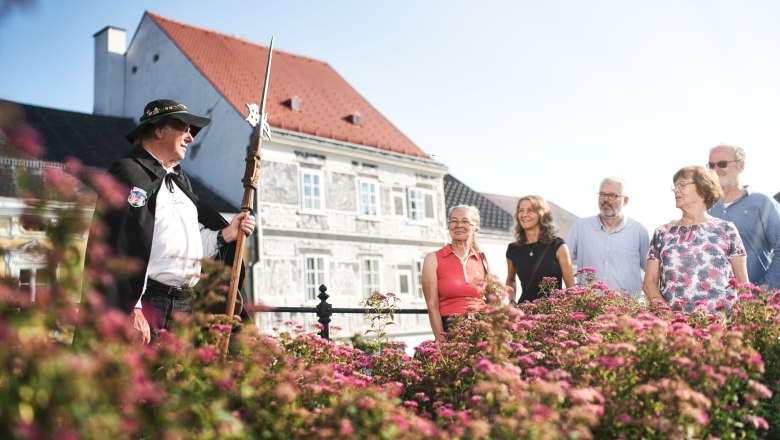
(324, 312)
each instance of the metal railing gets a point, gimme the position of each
(325, 310)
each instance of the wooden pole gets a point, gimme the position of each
(251, 181)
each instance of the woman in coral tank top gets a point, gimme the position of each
(449, 275)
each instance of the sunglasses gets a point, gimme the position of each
(719, 164)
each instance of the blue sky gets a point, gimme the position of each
(516, 97)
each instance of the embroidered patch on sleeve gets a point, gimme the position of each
(137, 197)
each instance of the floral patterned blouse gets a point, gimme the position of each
(695, 262)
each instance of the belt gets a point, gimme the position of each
(177, 292)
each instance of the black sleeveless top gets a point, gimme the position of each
(524, 262)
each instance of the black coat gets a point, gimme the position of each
(130, 228)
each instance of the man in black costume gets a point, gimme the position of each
(163, 225)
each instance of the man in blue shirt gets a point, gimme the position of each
(756, 215)
(613, 244)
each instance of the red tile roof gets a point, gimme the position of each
(236, 68)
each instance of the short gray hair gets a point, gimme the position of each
(739, 152)
(474, 217)
(617, 181)
(473, 211)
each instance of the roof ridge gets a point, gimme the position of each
(330, 102)
(157, 17)
(75, 112)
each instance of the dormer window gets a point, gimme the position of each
(354, 118)
(294, 103)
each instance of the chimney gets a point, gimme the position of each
(110, 46)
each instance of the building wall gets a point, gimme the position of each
(25, 251)
(336, 234)
(339, 234)
(493, 244)
(155, 69)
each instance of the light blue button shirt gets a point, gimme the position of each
(619, 256)
(757, 218)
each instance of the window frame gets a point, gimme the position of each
(418, 292)
(312, 290)
(361, 197)
(367, 285)
(320, 187)
(410, 287)
(404, 208)
(34, 283)
(423, 209)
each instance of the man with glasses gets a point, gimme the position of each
(756, 215)
(610, 242)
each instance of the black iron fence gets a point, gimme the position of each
(325, 310)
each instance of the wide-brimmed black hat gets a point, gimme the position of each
(161, 109)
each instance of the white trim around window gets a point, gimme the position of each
(314, 274)
(368, 197)
(418, 279)
(370, 275)
(405, 282)
(32, 279)
(421, 204)
(399, 203)
(312, 190)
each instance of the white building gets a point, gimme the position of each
(345, 199)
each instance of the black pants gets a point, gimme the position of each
(445, 319)
(161, 304)
(444, 325)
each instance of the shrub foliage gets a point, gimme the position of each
(581, 363)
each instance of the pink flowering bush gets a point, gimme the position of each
(643, 371)
(582, 363)
(757, 316)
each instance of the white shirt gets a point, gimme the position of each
(179, 241)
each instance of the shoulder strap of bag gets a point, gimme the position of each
(485, 264)
(539, 261)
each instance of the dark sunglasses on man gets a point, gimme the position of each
(719, 164)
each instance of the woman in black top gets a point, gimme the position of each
(537, 251)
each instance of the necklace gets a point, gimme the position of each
(531, 253)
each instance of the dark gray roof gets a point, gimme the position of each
(562, 218)
(96, 141)
(777, 197)
(493, 217)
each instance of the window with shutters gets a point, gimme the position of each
(421, 204)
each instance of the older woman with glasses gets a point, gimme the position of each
(537, 252)
(449, 275)
(691, 260)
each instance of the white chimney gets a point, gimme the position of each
(110, 47)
